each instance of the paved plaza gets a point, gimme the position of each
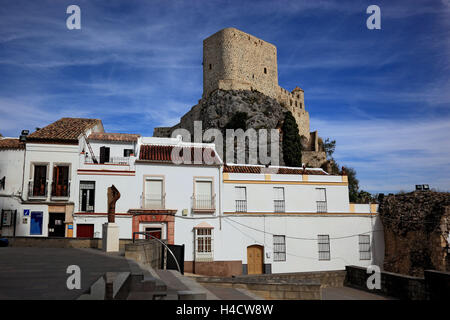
(40, 273)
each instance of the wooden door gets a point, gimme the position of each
(85, 231)
(255, 259)
(56, 227)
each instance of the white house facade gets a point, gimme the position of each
(232, 219)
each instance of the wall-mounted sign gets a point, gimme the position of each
(7, 218)
(70, 227)
(26, 212)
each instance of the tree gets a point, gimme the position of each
(329, 146)
(292, 146)
(353, 184)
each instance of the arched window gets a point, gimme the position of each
(265, 70)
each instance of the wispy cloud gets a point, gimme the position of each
(390, 155)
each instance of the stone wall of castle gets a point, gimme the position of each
(235, 60)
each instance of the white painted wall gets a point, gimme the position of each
(237, 233)
(11, 167)
(124, 223)
(51, 154)
(179, 183)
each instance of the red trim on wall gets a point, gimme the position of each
(168, 219)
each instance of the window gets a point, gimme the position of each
(321, 197)
(278, 201)
(87, 196)
(241, 199)
(279, 248)
(2, 183)
(324, 247)
(61, 183)
(203, 197)
(104, 154)
(203, 244)
(154, 194)
(210, 66)
(364, 247)
(265, 70)
(127, 152)
(38, 186)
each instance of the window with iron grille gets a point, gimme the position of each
(279, 248)
(87, 196)
(324, 246)
(321, 200)
(364, 247)
(203, 244)
(241, 199)
(278, 202)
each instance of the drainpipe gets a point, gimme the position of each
(220, 196)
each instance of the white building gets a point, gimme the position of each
(232, 219)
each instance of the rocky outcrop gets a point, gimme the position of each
(218, 108)
(416, 229)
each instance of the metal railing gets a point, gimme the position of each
(112, 160)
(155, 201)
(203, 202)
(37, 190)
(278, 205)
(241, 205)
(321, 206)
(60, 190)
(148, 234)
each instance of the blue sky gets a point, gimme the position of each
(384, 95)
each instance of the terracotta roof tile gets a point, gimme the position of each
(257, 170)
(103, 136)
(65, 130)
(164, 154)
(11, 144)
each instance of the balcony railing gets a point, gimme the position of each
(204, 202)
(278, 205)
(112, 160)
(321, 206)
(155, 201)
(37, 190)
(241, 205)
(60, 190)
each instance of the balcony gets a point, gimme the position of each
(112, 160)
(60, 191)
(204, 203)
(321, 206)
(278, 205)
(37, 190)
(154, 201)
(241, 205)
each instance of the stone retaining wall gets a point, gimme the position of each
(435, 285)
(269, 289)
(44, 242)
(146, 252)
(333, 279)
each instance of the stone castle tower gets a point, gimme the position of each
(235, 60)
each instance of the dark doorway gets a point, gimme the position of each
(56, 227)
(178, 251)
(155, 232)
(85, 231)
